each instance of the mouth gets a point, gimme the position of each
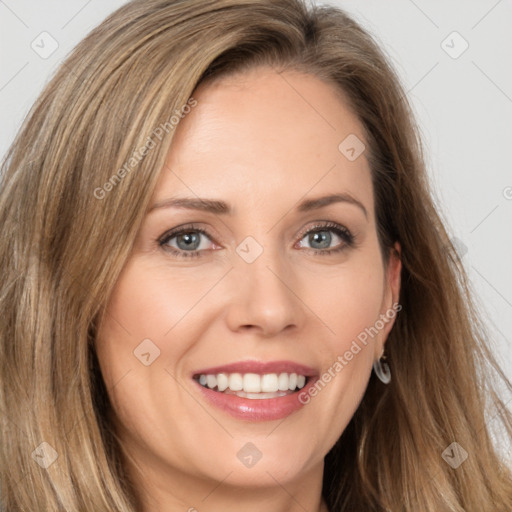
(256, 391)
(252, 385)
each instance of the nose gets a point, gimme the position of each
(264, 297)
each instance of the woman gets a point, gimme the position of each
(215, 222)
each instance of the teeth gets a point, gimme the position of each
(211, 381)
(253, 385)
(269, 383)
(222, 381)
(282, 381)
(235, 382)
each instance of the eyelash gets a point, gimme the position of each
(342, 232)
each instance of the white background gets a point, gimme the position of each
(463, 106)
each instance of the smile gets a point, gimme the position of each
(254, 386)
(255, 391)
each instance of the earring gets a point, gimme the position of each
(382, 370)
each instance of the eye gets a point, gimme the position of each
(322, 237)
(190, 241)
(187, 241)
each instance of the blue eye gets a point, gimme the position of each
(322, 236)
(190, 241)
(185, 242)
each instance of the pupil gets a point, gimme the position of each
(321, 237)
(191, 241)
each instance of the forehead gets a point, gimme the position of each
(259, 136)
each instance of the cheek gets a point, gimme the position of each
(348, 300)
(148, 401)
(351, 305)
(151, 303)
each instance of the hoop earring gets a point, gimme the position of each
(381, 369)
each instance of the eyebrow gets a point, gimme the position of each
(220, 207)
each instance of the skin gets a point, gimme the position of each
(262, 146)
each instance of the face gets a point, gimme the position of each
(277, 272)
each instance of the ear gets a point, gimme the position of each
(390, 306)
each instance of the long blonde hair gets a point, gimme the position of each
(66, 235)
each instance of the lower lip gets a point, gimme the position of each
(266, 409)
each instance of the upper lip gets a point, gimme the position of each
(260, 368)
